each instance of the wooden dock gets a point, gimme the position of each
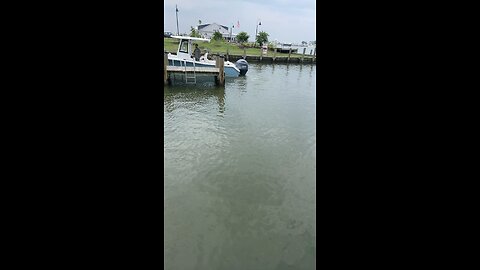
(217, 71)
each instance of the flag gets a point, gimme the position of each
(238, 24)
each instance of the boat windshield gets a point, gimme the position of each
(184, 46)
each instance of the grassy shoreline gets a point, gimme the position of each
(220, 47)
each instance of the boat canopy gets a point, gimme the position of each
(191, 38)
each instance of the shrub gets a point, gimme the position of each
(217, 36)
(194, 32)
(242, 37)
(262, 38)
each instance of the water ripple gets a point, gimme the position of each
(239, 166)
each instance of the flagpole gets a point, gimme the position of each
(176, 14)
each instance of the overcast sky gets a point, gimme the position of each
(284, 20)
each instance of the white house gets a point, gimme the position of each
(207, 30)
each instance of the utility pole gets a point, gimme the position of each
(256, 30)
(176, 14)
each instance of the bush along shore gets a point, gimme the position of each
(233, 52)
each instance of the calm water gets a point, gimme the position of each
(240, 171)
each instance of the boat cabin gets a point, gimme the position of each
(186, 47)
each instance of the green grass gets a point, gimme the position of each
(214, 47)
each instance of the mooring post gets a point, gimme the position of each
(216, 65)
(274, 54)
(165, 64)
(303, 55)
(261, 53)
(244, 53)
(289, 52)
(227, 55)
(314, 53)
(220, 80)
(222, 70)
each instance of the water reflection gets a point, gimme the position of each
(239, 83)
(199, 95)
(300, 74)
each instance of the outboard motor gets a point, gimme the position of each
(242, 65)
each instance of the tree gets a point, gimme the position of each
(194, 32)
(262, 38)
(217, 36)
(242, 37)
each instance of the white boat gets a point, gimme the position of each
(297, 49)
(184, 58)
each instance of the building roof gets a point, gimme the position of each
(192, 38)
(201, 26)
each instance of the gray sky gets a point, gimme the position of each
(284, 20)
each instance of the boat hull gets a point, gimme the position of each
(229, 70)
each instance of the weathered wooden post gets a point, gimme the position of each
(314, 53)
(289, 52)
(227, 55)
(222, 70)
(244, 53)
(261, 53)
(274, 54)
(165, 64)
(303, 55)
(220, 80)
(216, 65)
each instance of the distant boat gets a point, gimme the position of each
(284, 47)
(184, 58)
(297, 49)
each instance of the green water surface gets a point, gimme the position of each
(239, 166)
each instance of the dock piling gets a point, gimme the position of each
(165, 64)
(220, 61)
(314, 54)
(289, 53)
